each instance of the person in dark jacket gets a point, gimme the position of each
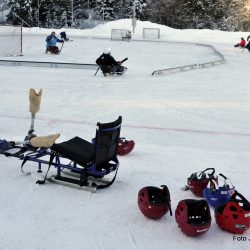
(107, 62)
(248, 45)
(241, 44)
(64, 36)
(51, 41)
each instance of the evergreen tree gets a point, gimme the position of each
(46, 11)
(81, 9)
(231, 15)
(123, 9)
(234, 16)
(140, 5)
(245, 21)
(202, 14)
(21, 12)
(162, 11)
(199, 14)
(105, 9)
(56, 13)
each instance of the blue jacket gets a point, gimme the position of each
(51, 41)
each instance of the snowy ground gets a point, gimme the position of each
(181, 123)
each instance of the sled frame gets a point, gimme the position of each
(100, 166)
(102, 162)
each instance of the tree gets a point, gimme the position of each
(161, 11)
(140, 5)
(231, 15)
(21, 12)
(105, 9)
(235, 16)
(56, 13)
(123, 9)
(81, 9)
(199, 14)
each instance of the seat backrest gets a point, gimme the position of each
(106, 142)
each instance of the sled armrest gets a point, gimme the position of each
(44, 141)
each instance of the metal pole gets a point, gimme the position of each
(88, 9)
(38, 8)
(2, 11)
(21, 40)
(39, 2)
(72, 21)
(133, 22)
(88, 13)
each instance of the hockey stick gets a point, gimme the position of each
(119, 64)
(97, 70)
(61, 47)
(124, 60)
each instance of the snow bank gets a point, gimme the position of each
(167, 33)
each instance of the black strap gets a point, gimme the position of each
(207, 169)
(109, 183)
(212, 185)
(211, 175)
(18, 154)
(243, 199)
(52, 156)
(167, 195)
(25, 158)
(222, 175)
(24, 161)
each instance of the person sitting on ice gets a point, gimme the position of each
(51, 43)
(64, 36)
(108, 64)
(241, 44)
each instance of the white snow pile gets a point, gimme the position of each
(167, 33)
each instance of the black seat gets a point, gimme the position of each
(76, 149)
(96, 159)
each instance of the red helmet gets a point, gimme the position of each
(193, 217)
(154, 202)
(199, 180)
(125, 146)
(234, 216)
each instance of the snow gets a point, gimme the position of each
(181, 123)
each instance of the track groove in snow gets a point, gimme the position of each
(182, 130)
